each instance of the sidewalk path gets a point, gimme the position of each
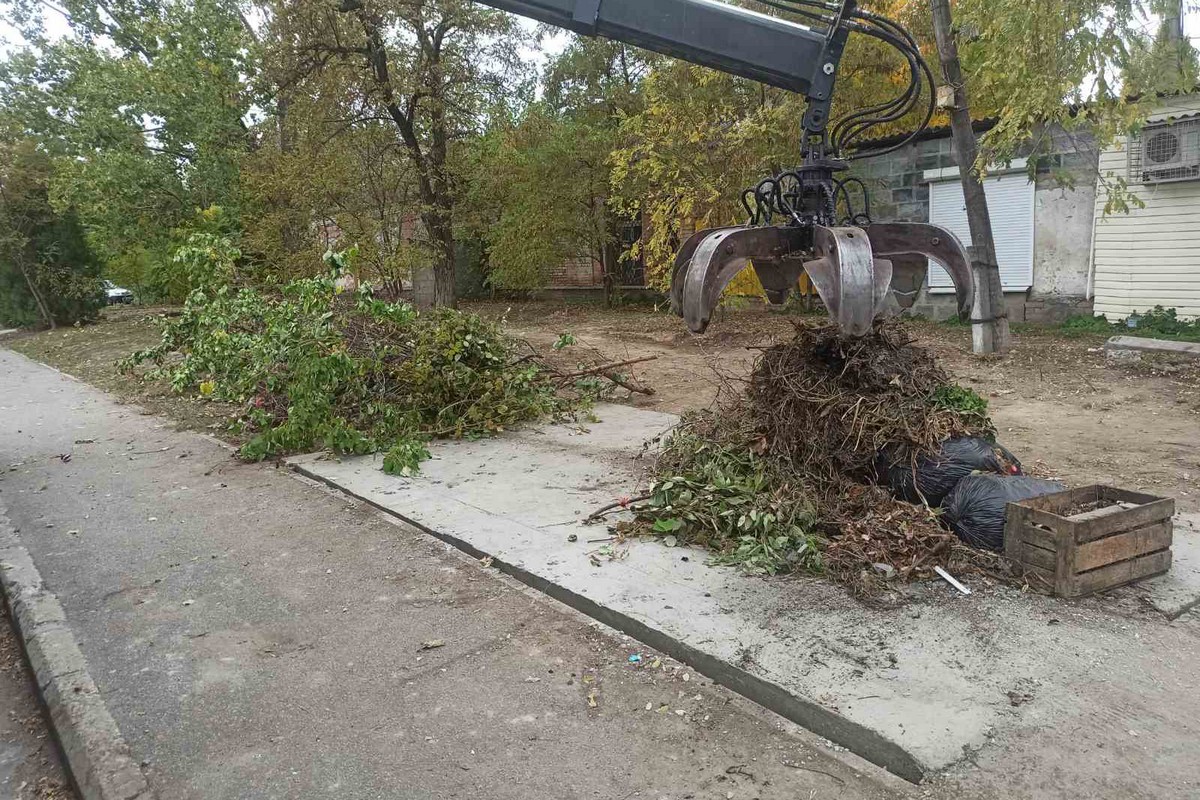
(256, 637)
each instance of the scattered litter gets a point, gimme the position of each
(574, 537)
(670, 541)
(591, 699)
(635, 658)
(486, 561)
(152, 519)
(951, 580)
(649, 706)
(64, 457)
(533, 680)
(687, 676)
(433, 644)
(679, 712)
(73, 532)
(188, 602)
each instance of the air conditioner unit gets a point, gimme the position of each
(1166, 151)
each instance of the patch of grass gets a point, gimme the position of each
(955, 321)
(1164, 323)
(1157, 323)
(1086, 325)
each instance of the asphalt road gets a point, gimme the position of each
(257, 637)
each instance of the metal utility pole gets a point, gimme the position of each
(989, 317)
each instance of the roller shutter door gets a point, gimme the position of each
(1010, 203)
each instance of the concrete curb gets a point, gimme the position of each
(857, 739)
(98, 759)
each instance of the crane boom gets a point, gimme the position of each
(705, 32)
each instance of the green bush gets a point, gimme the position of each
(1158, 323)
(314, 367)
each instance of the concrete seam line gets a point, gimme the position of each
(98, 759)
(864, 743)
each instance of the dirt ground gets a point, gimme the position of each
(1057, 404)
(1054, 399)
(30, 765)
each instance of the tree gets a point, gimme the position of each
(327, 172)
(1166, 62)
(1051, 71)
(426, 67)
(47, 272)
(142, 107)
(989, 327)
(540, 184)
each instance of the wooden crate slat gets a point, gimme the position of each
(1156, 511)
(1061, 501)
(1038, 557)
(1036, 536)
(1122, 546)
(1120, 574)
(1126, 496)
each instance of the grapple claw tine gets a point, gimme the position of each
(724, 252)
(931, 241)
(683, 260)
(852, 283)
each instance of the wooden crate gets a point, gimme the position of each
(1127, 540)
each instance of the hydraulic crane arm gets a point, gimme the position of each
(711, 34)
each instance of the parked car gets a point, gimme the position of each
(116, 294)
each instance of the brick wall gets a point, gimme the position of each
(576, 273)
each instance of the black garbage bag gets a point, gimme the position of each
(975, 510)
(934, 477)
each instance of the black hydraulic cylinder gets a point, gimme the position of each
(706, 32)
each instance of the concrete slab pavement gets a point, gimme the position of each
(921, 689)
(256, 637)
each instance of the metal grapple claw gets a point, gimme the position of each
(849, 267)
(683, 259)
(931, 241)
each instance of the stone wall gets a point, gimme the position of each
(1062, 223)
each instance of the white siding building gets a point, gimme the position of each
(1151, 256)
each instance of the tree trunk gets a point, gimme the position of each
(43, 309)
(989, 318)
(610, 258)
(432, 177)
(441, 236)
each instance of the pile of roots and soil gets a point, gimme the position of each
(820, 410)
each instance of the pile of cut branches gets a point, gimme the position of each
(313, 366)
(810, 423)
